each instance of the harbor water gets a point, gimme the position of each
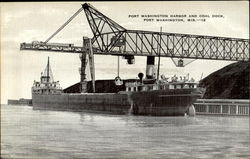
(28, 133)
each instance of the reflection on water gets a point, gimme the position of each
(28, 133)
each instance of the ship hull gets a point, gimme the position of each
(155, 103)
(165, 102)
(104, 102)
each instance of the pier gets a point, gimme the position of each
(238, 107)
(21, 101)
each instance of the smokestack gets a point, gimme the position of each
(150, 68)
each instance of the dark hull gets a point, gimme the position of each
(105, 102)
(156, 103)
(164, 103)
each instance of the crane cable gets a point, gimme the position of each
(66, 23)
(118, 66)
(176, 64)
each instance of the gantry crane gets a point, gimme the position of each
(110, 38)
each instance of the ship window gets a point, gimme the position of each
(186, 86)
(131, 89)
(154, 87)
(139, 88)
(171, 86)
(136, 88)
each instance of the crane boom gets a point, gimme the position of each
(61, 48)
(52, 48)
(112, 39)
(108, 36)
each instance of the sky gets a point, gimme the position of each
(28, 21)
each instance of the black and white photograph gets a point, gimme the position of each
(125, 79)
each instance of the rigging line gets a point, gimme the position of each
(174, 61)
(48, 71)
(190, 62)
(159, 55)
(66, 23)
(118, 68)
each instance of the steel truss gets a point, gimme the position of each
(111, 38)
(54, 48)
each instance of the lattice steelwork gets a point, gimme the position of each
(111, 38)
(54, 48)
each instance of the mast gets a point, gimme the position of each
(159, 57)
(118, 68)
(48, 70)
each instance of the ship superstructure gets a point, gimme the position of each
(46, 85)
(163, 97)
(163, 84)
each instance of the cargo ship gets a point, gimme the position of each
(136, 96)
